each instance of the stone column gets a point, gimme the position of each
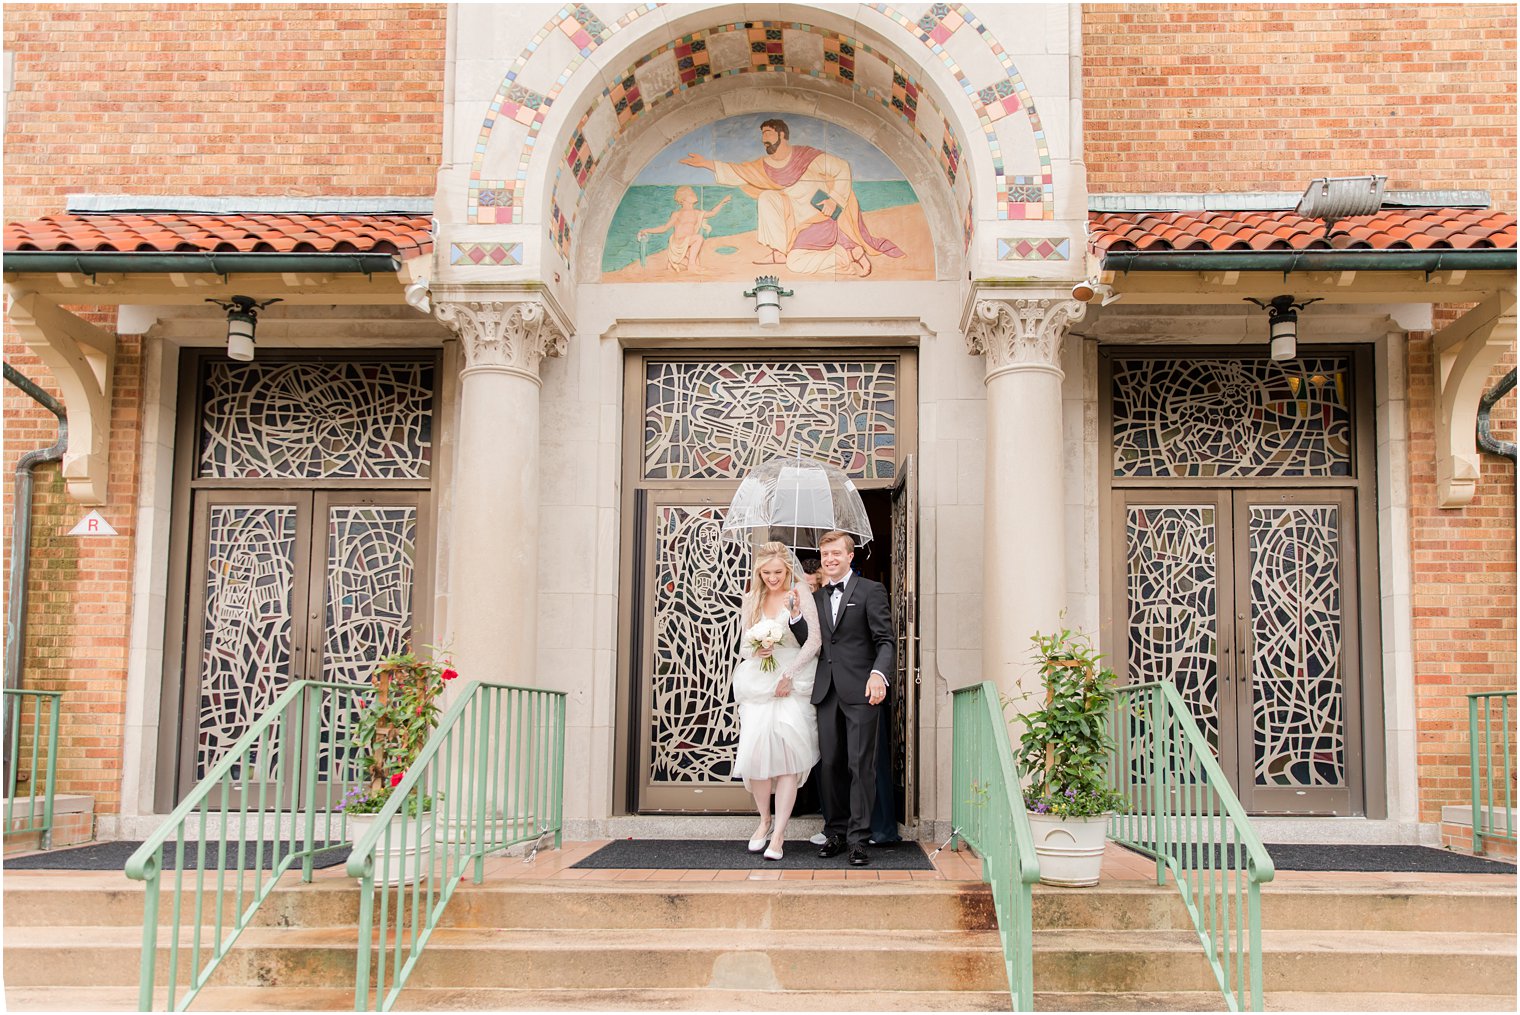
(493, 570)
(1024, 545)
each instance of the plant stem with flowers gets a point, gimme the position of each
(393, 727)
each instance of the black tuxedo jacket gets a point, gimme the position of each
(860, 642)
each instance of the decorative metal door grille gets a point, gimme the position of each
(1298, 719)
(1228, 418)
(303, 516)
(705, 420)
(357, 420)
(248, 617)
(1173, 596)
(698, 587)
(371, 555)
(1238, 487)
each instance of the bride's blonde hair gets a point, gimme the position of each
(755, 593)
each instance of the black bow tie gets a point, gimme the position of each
(833, 587)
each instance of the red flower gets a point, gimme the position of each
(419, 709)
(395, 780)
(450, 674)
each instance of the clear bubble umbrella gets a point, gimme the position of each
(795, 500)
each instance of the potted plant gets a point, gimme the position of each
(394, 724)
(1063, 757)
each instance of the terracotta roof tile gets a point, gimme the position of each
(172, 232)
(1389, 229)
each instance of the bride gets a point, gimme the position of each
(778, 728)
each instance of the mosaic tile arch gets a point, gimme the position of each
(941, 28)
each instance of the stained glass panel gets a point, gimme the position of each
(706, 420)
(1296, 637)
(356, 420)
(698, 585)
(1173, 596)
(1201, 418)
(245, 651)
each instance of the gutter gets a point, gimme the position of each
(1124, 261)
(21, 526)
(85, 262)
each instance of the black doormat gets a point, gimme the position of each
(1301, 856)
(105, 856)
(729, 854)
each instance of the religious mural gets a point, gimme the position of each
(768, 194)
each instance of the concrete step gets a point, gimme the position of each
(916, 960)
(888, 905)
(508, 999)
(1414, 962)
(124, 999)
(1288, 906)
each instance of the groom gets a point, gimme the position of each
(849, 688)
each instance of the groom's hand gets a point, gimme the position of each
(876, 689)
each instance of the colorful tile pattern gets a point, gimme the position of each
(766, 43)
(993, 101)
(486, 253)
(1031, 248)
(502, 200)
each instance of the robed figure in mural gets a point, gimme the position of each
(809, 218)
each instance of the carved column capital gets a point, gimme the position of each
(513, 336)
(1024, 333)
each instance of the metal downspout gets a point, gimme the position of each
(1486, 439)
(21, 528)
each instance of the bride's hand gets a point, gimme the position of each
(784, 686)
(763, 653)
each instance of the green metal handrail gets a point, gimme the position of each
(490, 776)
(30, 819)
(1480, 734)
(987, 811)
(1182, 812)
(283, 777)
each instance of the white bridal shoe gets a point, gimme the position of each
(756, 845)
(771, 854)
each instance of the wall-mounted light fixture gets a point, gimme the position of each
(416, 295)
(1341, 197)
(1282, 324)
(1089, 290)
(242, 320)
(767, 296)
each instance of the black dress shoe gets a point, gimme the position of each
(832, 846)
(858, 857)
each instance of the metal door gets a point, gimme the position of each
(1243, 599)
(904, 597)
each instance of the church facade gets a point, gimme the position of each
(506, 264)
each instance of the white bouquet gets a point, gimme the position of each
(765, 635)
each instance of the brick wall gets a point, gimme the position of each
(79, 590)
(1464, 590)
(1253, 97)
(219, 99)
(191, 99)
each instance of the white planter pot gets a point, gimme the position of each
(1070, 850)
(405, 861)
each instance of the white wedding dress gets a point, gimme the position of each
(778, 736)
